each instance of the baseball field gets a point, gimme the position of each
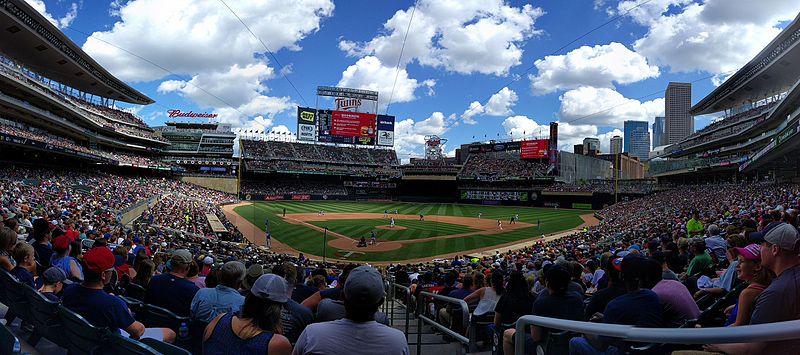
(442, 231)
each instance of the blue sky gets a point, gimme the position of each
(458, 55)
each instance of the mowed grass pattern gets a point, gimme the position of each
(357, 228)
(311, 242)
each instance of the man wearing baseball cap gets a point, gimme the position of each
(171, 290)
(55, 280)
(101, 309)
(358, 332)
(780, 301)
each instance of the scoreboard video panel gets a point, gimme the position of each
(535, 149)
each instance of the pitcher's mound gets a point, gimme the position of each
(390, 228)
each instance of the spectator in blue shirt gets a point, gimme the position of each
(715, 244)
(445, 314)
(26, 263)
(102, 309)
(208, 303)
(55, 280)
(172, 290)
(639, 307)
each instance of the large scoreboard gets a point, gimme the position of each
(345, 127)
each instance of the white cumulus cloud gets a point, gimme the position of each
(409, 135)
(606, 107)
(369, 73)
(237, 94)
(463, 36)
(190, 37)
(598, 66)
(499, 104)
(62, 22)
(716, 36)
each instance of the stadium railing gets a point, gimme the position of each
(405, 304)
(720, 335)
(422, 318)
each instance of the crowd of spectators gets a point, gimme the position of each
(293, 187)
(651, 262)
(670, 259)
(604, 186)
(491, 165)
(321, 168)
(734, 119)
(332, 154)
(41, 136)
(245, 299)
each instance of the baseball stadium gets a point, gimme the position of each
(158, 199)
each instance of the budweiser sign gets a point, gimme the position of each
(345, 104)
(190, 114)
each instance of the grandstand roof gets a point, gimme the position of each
(30, 39)
(771, 71)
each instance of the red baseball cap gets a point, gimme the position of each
(98, 259)
(61, 243)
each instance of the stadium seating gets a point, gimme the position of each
(492, 166)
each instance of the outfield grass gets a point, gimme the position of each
(310, 241)
(357, 228)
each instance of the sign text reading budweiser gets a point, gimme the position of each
(190, 114)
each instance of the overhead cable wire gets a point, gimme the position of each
(268, 51)
(400, 57)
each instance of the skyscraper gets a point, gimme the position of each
(637, 139)
(678, 123)
(616, 145)
(658, 132)
(591, 146)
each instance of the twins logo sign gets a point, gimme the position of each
(345, 104)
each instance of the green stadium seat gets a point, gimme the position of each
(82, 337)
(18, 302)
(119, 345)
(7, 340)
(44, 317)
(156, 317)
(133, 304)
(164, 348)
(556, 342)
(135, 291)
(5, 285)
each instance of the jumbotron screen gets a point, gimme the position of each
(535, 149)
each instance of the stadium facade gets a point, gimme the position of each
(755, 136)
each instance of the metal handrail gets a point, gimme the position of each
(395, 286)
(720, 335)
(421, 307)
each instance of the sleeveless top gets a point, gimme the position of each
(64, 264)
(487, 302)
(224, 341)
(735, 312)
(10, 259)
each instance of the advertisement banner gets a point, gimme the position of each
(536, 149)
(306, 123)
(352, 124)
(301, 197)
(385, 130)
(305, 132)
